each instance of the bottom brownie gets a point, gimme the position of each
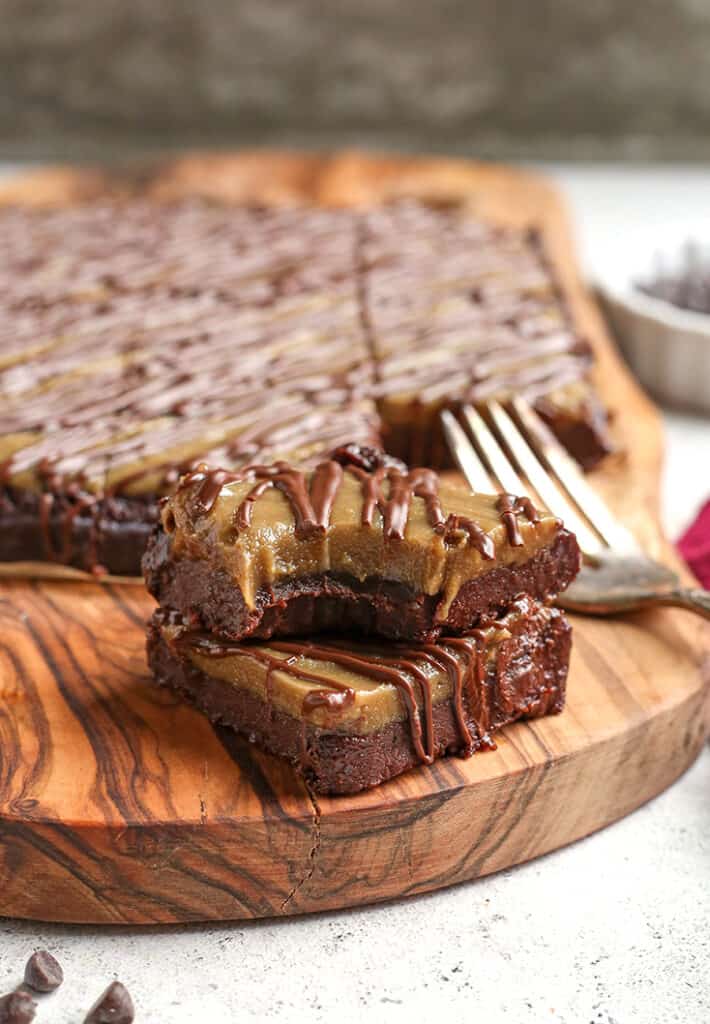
(351, 715)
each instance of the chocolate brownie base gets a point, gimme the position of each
(109, 535)
(531, 684)
(208, 598)
(585, 436)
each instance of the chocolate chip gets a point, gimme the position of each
(17, 1008)
(42, 972)
(114, 1006)
(689, 286)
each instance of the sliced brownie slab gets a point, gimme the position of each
(139, 338)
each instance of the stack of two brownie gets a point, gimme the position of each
(358, 618)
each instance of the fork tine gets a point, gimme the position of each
(464, 453)
(571, 478)
(497, 460)
(539, 478)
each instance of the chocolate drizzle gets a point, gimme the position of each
(510, 507)
(397, 665)
(463, 681)
(67, 508)
(387, 486)
(394, 507)
(212, 482)
(46, 503)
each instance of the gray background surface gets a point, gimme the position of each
(509, 78)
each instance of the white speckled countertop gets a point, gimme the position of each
(612, 930)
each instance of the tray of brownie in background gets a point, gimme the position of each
(141, 339)
(213, 828)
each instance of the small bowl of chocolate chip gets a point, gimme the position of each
(662, 323)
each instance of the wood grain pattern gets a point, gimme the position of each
(119, 804)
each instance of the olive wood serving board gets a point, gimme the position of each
(119, 804)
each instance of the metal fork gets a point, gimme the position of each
(510, 449)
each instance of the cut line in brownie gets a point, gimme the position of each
(351, 715)
(359, 544)
(138, 339)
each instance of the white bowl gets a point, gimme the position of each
(668, 348)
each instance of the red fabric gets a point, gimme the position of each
(694, 545)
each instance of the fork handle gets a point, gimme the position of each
(694, 599)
